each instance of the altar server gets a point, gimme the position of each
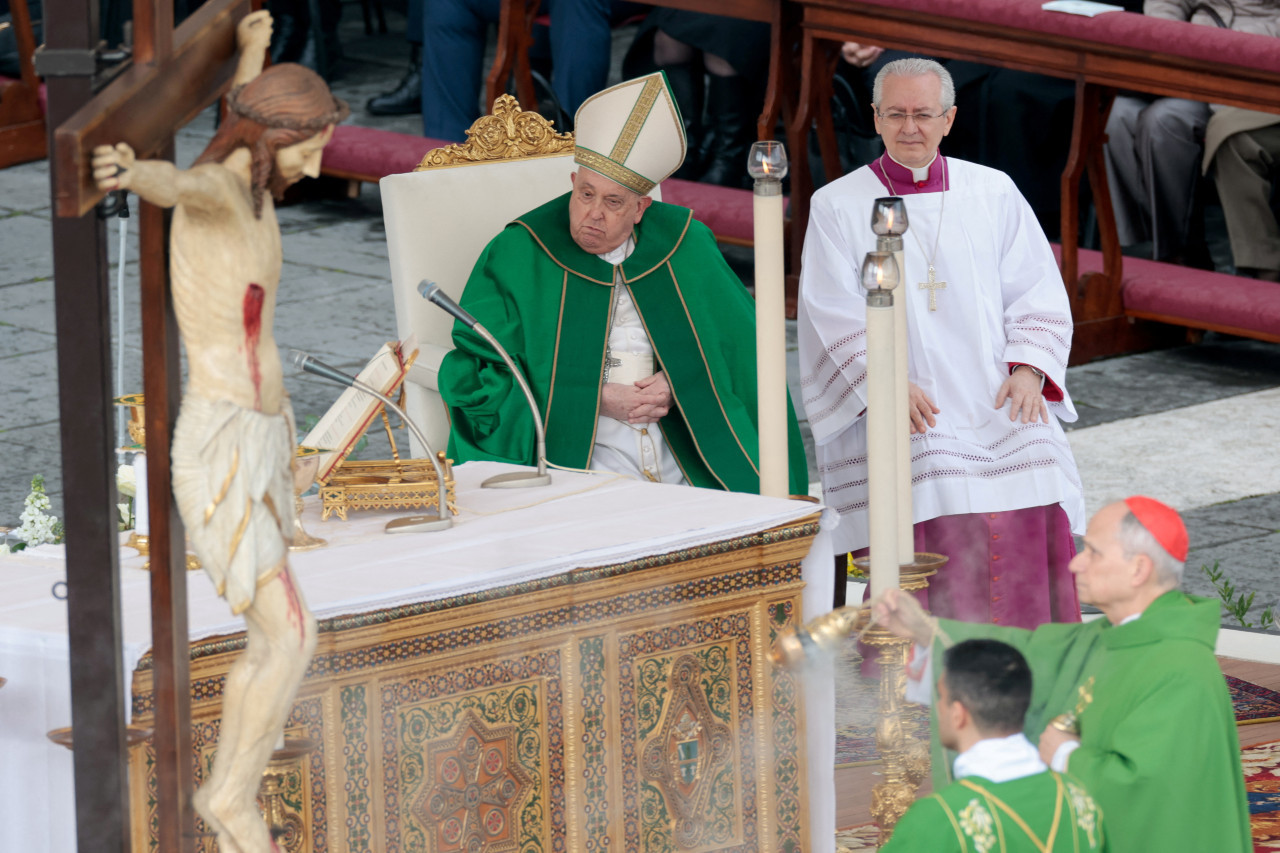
(635, 335)
(994, 484)
(1134, 704)
(1003, 791)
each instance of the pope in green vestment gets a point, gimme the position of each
(1158, 746)
(1042, 813)
(549, 302)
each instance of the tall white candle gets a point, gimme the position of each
(141, 524)
(882, 481)
(767, 164)
(902, 425)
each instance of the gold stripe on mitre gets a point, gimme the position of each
(612, 170)
(639, 114)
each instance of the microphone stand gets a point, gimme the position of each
(431, 291)
(408, 524)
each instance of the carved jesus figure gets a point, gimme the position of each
(234, 440)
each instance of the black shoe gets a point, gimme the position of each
(405, 98)
(731, 127)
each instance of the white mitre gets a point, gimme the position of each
(631, 133)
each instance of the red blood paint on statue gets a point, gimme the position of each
(295, 606)
(253, 298)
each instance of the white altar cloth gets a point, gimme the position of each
(499, 537)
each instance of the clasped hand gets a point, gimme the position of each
(646, 401)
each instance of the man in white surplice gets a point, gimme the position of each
(994, 484)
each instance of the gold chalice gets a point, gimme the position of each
(306, 462)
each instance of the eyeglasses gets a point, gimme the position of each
(918, 118)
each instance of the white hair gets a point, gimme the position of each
(1136, 539)
(915, 67)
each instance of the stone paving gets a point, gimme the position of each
(1196, 425)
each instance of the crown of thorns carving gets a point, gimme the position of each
(317, 123)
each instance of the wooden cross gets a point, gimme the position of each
(933, 286)
(173, 76)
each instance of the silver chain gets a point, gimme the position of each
(941, 209)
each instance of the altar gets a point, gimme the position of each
(571, 668)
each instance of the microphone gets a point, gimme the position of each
(414, 523)
(431, 292)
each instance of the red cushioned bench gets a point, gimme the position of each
(1194, 298)
(368, 154)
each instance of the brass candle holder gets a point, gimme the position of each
(287, 827)
(906, 758)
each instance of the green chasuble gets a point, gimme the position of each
(550, 303)
(1041, 813)
(1158, 746)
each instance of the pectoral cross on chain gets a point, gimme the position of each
(933, 286)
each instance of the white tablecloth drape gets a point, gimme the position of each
(499, 537)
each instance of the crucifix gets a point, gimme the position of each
(933, 286)
(174, 74)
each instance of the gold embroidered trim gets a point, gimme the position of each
(670, 447)
(715, 390)
(226, 484)
(608, 326)
(1043, 847)
(946, 809)
(555, 359)
(676, 397)
(556, 260)
(635, 121)
(674, 246)
(615, 172)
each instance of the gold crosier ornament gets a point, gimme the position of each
(906, 758)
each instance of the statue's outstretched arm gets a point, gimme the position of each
(253, 37)
(158, 181)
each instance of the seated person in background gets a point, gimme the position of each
(1003, 790)
(1243, 149)
(1154, 144)
(634, 334)
(734, 54)
(453, 41)
(1156, 743)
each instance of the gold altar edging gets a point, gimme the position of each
(805, 527)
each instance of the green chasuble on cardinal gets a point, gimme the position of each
(1041, 813)
(550, 302)
(1158, 747)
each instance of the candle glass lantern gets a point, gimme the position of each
(767, 161)
(889, 217)
(879, 271)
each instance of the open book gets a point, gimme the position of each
(353, 411)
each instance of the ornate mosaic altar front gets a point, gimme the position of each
(624, 708)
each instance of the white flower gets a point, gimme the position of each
(4, 548)
(126, 482)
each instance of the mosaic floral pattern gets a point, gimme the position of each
(355, 758)
(476, 770)
(786, 739)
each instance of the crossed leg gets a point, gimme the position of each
(255, 704)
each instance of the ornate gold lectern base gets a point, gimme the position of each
(906, 759)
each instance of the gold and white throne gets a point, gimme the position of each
(439, 218)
